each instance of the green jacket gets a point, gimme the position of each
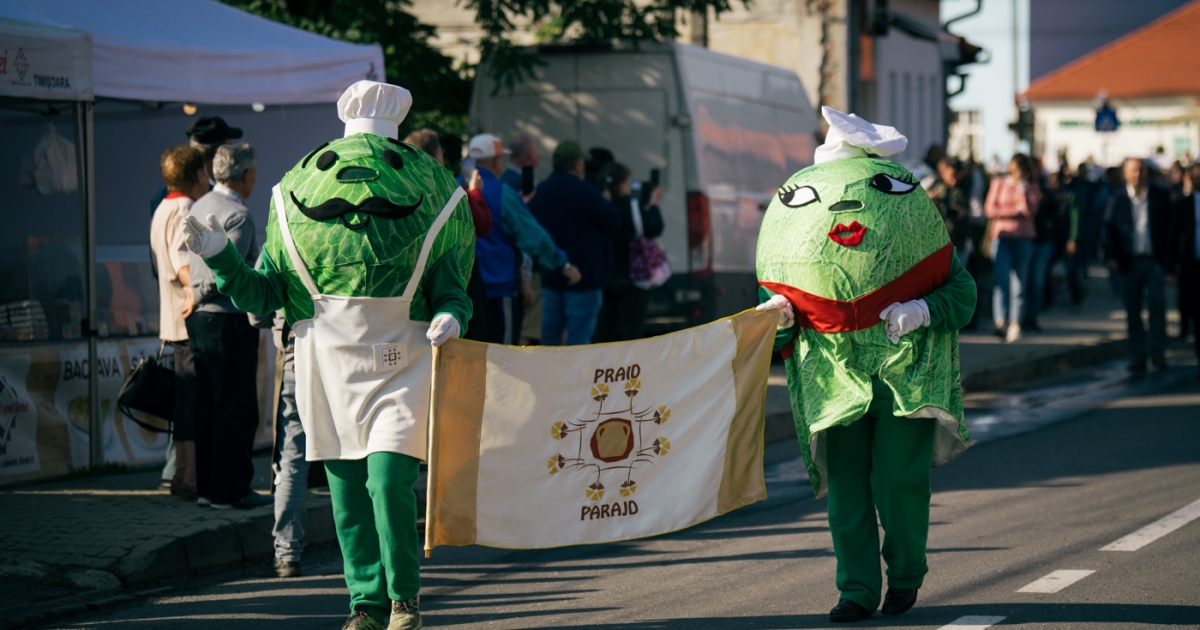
(830, 374)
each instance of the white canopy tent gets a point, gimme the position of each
(134, 56)
(202, 51)
(47, 63)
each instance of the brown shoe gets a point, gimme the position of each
(360, 620)
(406, 615)
(1137, 365)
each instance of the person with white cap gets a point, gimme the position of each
(500, 252)
(369, 245)
(857, 259)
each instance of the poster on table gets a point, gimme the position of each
(71, 400)
(18, 418)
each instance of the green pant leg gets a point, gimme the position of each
(852, 512)
(901, 457)
(390, 478)
(354, 517)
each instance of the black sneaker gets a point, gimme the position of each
(898, 601)
(847, 611)
(276, 568)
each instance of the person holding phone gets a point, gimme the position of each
(623, 313)
(515, 231)
(522, 162)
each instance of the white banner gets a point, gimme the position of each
(71, 401)
(544, 447)
(44, 62)
(18, 418)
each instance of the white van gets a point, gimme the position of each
(724, 132)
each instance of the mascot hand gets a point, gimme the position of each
(787, 317)
(902, 318)
(443, 327)
(205, 241)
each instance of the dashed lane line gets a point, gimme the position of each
(1055, 582)
(972, 622)
(1157, 529)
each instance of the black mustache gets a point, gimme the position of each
(338, 208)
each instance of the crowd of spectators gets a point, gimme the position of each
(1016, 226)
(556, 253)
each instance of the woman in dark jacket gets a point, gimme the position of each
(623, 314)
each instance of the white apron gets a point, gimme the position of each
(363, 368)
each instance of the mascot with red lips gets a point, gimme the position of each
(856, 256)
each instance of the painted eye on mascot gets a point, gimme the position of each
(798, 196)
(892, 186)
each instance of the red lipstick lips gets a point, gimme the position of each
(848, 235)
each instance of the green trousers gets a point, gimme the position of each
(375, 511)
(880, 462)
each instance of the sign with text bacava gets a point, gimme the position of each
(546, 447)
(44, 414)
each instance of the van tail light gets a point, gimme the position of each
(699, 236)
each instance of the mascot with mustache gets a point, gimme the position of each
(369, 246)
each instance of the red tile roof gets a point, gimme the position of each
(1159, 59)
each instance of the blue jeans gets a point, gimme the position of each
(291, 469)
(572, 311)
(1039, 273)
(1011, 259)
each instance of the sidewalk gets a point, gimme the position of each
(69, 544)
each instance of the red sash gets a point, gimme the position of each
(827, 316)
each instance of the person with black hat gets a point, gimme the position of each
(206, 133)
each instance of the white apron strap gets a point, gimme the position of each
(286, 232)
(423, 258)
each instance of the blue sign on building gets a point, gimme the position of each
(1106, 119)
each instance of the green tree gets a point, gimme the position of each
(441, 92)
(576, 20)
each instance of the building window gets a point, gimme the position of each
(908, 108)
(893, 100)
(922, 139)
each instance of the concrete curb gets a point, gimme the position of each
(204, 548)
(25, 614)
(1024, 371)
(215, 545)
(781, 426)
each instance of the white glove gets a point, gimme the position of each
(779, 303)
(443, 327)
(901, 318)
(204, 241)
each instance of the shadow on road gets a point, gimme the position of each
(932, 616)
(1153, 431)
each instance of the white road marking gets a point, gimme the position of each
(972, 622)
(1157, 529)
(1055, 582)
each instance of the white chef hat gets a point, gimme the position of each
(850, 137)
(373, 107)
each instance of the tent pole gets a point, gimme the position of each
(87, 208)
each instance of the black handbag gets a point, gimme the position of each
(150, 389)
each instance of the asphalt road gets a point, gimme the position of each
(1008, 514)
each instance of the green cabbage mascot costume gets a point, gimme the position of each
(369, 245)
(857, 258)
